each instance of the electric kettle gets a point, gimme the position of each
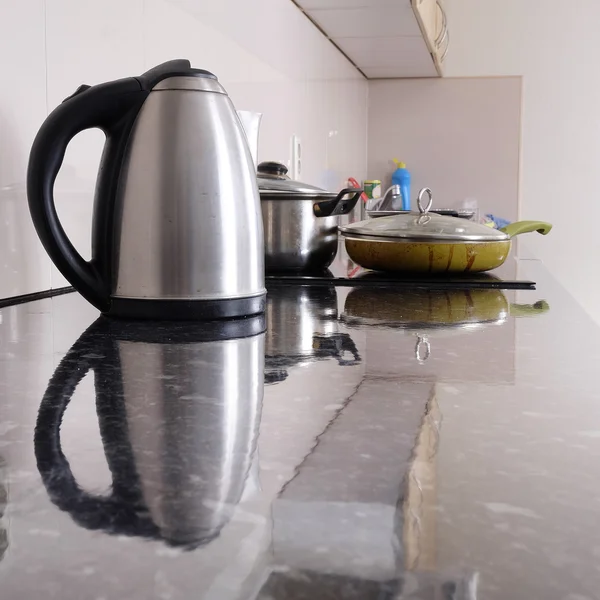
(177, 228)
(178, 411)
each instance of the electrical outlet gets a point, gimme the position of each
(296, 157)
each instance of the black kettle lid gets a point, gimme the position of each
(172, 68)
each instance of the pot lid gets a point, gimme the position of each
(423, 226)
(273, 181)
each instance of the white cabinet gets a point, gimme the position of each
(385, 38)
(434, 25)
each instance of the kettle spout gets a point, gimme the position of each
(251, 125)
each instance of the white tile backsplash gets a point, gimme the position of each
(266, 53)
(24, 266)
(442, 129)
(91, 42)
(87, 44)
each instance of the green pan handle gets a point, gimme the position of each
(526, 227)
(529, 310)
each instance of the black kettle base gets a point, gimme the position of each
(185, 310)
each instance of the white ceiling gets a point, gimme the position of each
(381, 37)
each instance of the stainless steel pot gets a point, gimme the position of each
(300, 220)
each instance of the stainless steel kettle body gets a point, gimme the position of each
(177, 230)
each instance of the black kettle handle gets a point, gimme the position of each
(111, 107)
(122, 511)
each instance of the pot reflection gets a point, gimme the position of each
(431, 313)
(302, 326)
(178, 407)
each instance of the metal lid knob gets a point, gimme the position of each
(427, 207)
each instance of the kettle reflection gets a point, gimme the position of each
(178, 407)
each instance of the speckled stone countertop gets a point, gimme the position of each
(377, 444)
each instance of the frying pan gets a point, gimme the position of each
(428, 242)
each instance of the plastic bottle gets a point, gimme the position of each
(401, 177)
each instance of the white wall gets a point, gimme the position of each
(442, 129)
(268, 56)
(555, 46)
(24, 266)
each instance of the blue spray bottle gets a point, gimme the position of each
(401, 177)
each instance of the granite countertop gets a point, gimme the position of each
(377, 444)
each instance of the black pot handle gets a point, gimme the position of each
(348, 345)
(340, 205)
(111, 107)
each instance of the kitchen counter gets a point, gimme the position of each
(448, 450)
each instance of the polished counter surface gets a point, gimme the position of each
(377, 444)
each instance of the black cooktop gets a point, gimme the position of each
(362, 277)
